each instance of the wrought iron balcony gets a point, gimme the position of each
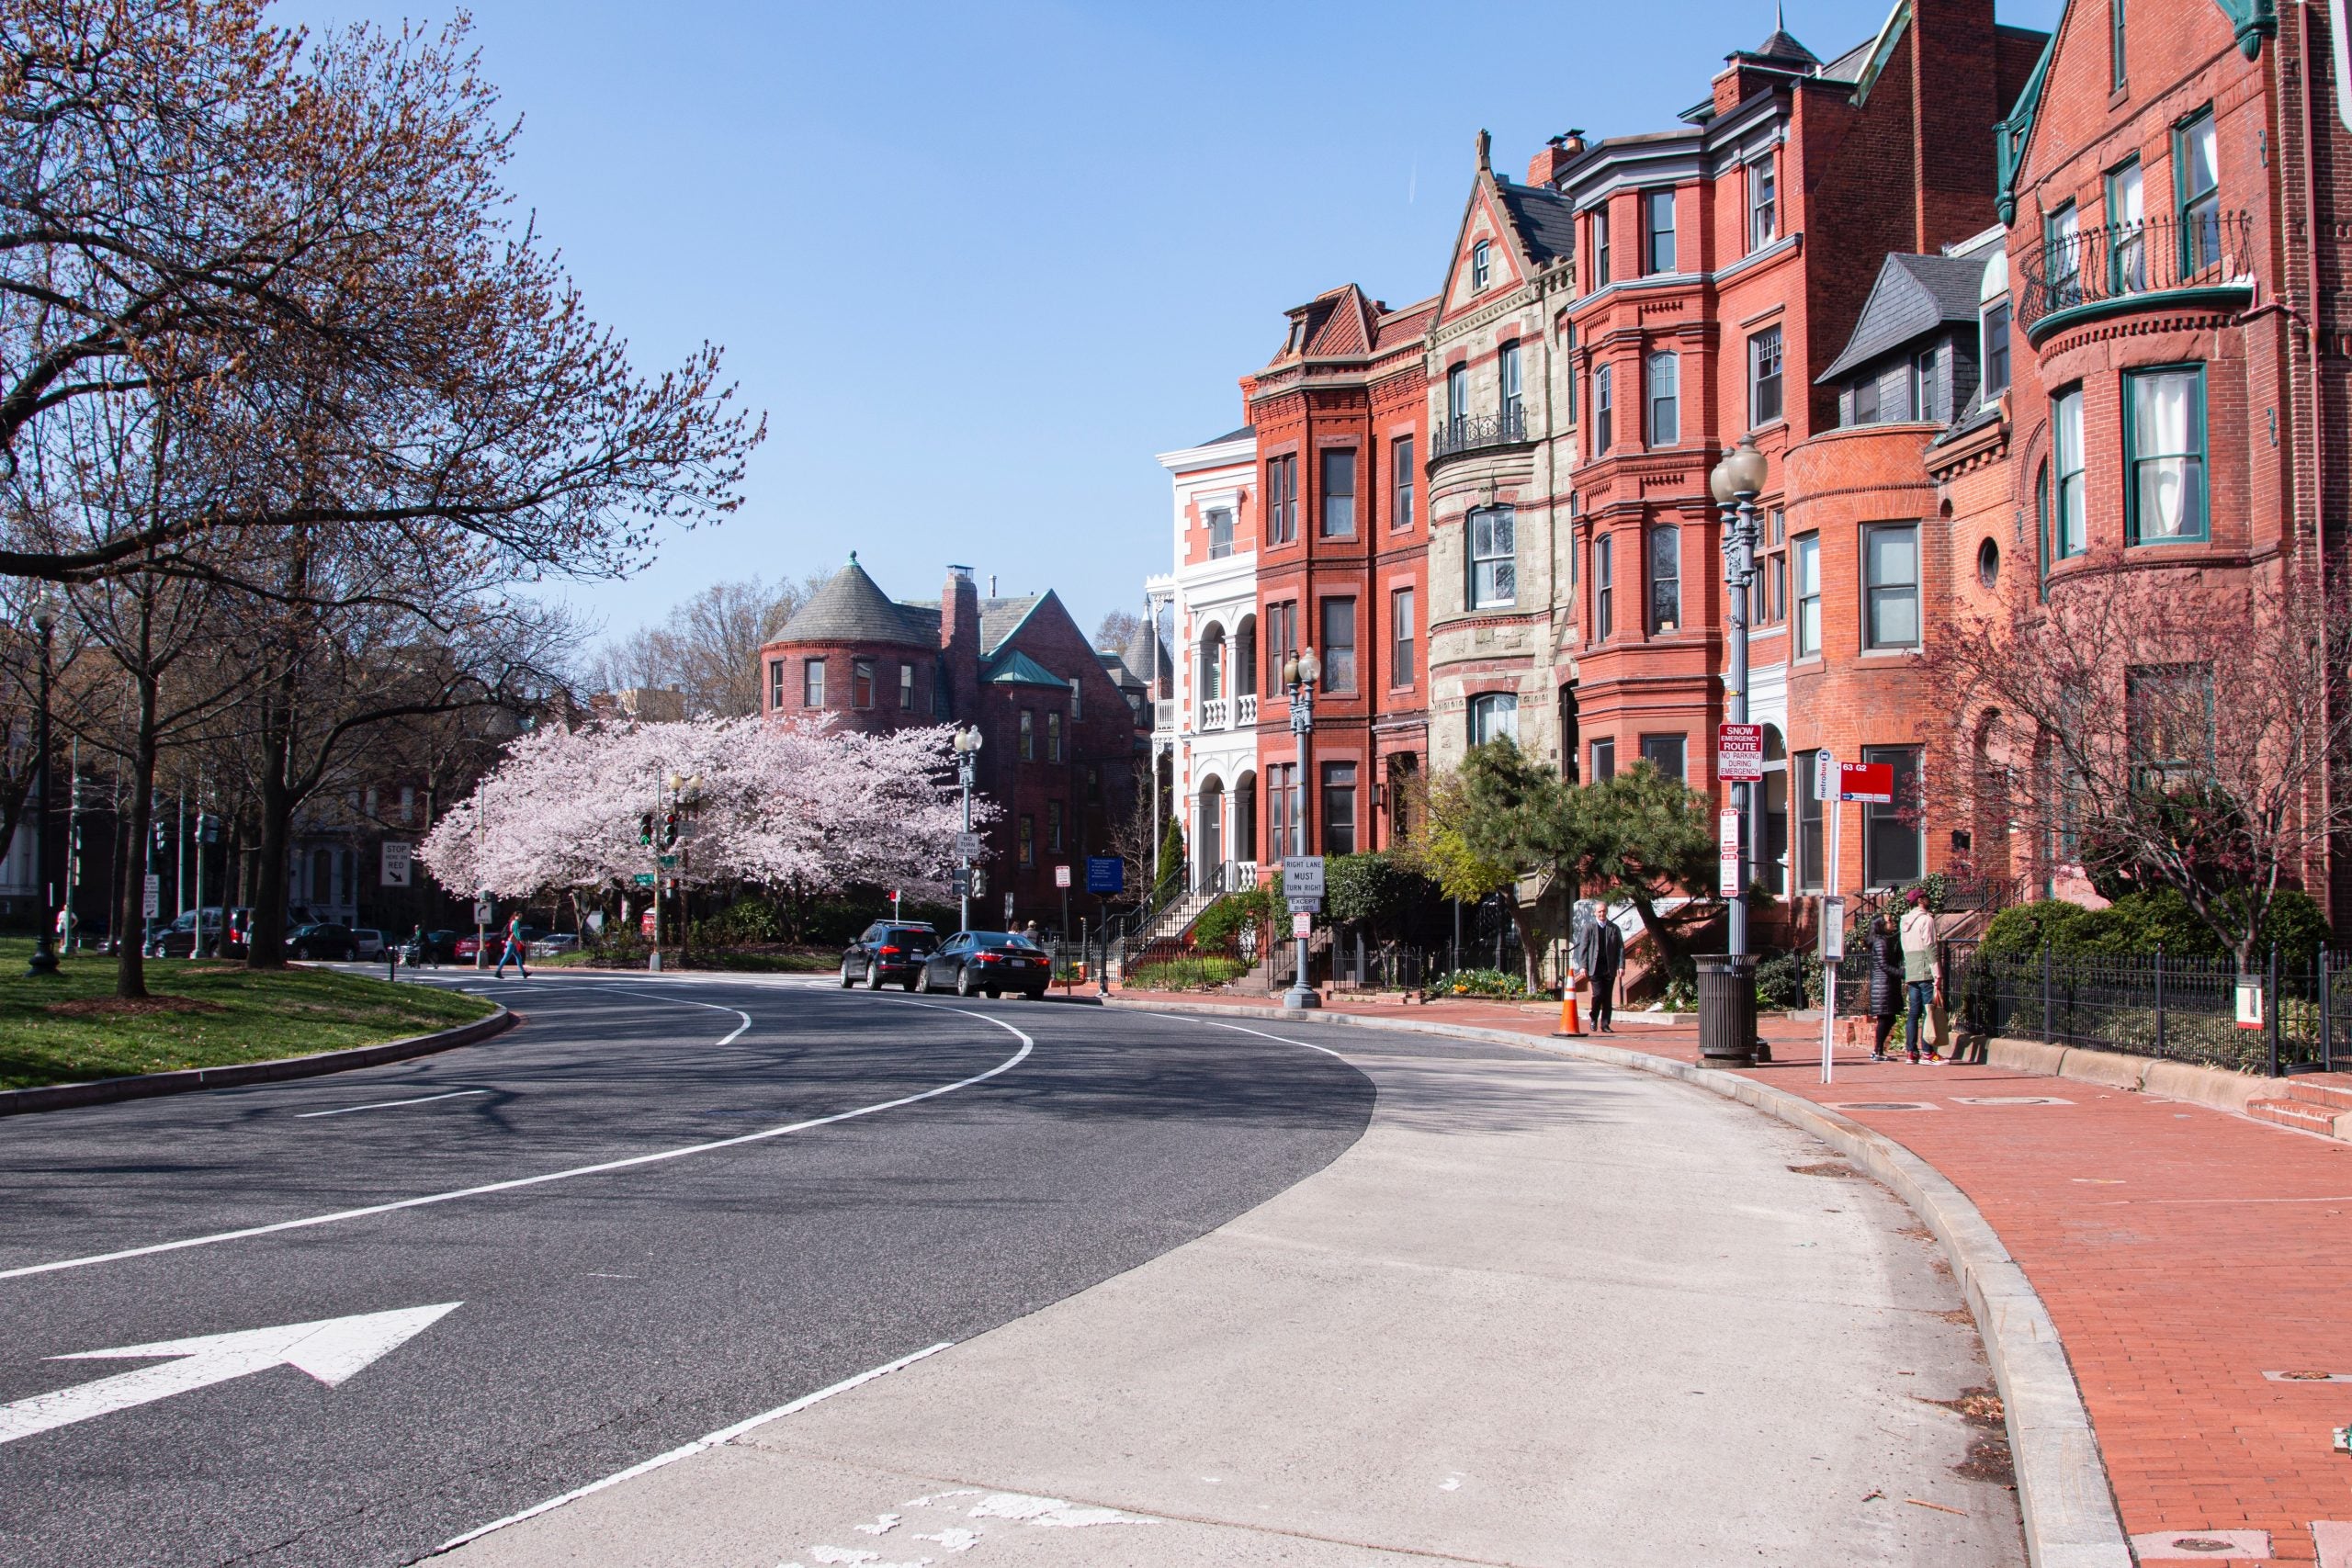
(1475, 434)
(2114, 267)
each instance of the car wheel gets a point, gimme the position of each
(964, 986)
(915, 981)
(1035, 995)
(995, 991)
(846, 981)
(873, 976)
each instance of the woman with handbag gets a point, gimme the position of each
(1885, 984)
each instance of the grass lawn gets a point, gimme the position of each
(205, 1014)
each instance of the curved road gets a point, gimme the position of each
(644, 1241)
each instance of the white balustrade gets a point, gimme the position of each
(1217, 713)
(1244, 712)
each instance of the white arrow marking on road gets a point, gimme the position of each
(330, 1350)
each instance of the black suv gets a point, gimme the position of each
(321, 941)
(887, 950)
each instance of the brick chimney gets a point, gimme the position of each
(1556, 155)
(959, 643)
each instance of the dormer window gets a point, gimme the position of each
(1481, 264)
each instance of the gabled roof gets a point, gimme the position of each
(851, 608)
(1545, 219)
(1017, 668)
(1000, 618)
(1914, 295)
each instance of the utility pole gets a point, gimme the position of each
(44, 959)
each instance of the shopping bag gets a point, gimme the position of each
(1938, 1027)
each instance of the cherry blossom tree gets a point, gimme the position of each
(791, 807)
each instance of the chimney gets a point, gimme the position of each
(991, 585)
(959, 643)
(1556, 155)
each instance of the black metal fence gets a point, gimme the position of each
(2290, 1017)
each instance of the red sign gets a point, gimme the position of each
(1739, 752)
(645, 924)
(1870, 781)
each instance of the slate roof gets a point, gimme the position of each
(1912, 295)
(1783, 46)
(851, 608)
(1115, 666)
(1137, 657)
(1000, 618)
(1017, 668)
(1547, 223)
(1230, 435)
(1402, 326)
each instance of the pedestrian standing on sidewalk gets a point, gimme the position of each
(1886, 983)
(1600, 952)
(1919, 975)
(513, 948)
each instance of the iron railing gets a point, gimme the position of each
(1474, 432)
(2116, 261)
(2158, 1004)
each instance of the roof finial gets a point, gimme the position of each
(1780, 17)
(1486, 153)
(853, 558)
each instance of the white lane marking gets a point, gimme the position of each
(689, 1001)
(1238, 1029)
(331, 1350)
(388, 1104)
(687, 1450)
(516, 1183)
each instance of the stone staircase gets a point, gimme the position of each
(2321, 1103)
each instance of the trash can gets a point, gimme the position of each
(1727, 1009)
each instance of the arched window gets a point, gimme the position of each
(1493, 717)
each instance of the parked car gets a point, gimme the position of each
(989, 963)
(887, 951)
(178, 940)
(491, 943)
(551, 945)
(319, 939)
(368, 940)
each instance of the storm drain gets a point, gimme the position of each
(1886, 1105)
(2009, 1099)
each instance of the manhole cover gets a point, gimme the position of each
(2202, 1543)
(1883, 1105)
(2309, 1376)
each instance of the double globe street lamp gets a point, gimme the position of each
(1300, 672)
(967, 766)
(1727, 985)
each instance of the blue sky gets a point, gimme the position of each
(979, 262)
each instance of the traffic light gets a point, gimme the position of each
(207, 829)
(669, 826)
(162, 838)
(645, 827)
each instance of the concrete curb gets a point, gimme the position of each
(2064, 1493)
(144, 1086)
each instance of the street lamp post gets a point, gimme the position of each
(1300, 672)
(44, 959)
(968, 768)
(1736, 481)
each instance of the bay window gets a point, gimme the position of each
(2165, 455)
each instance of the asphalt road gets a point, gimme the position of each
(607, 1315)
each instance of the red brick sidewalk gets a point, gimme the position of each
(2184, 1253)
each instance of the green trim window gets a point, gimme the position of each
(2164, 453)
(1808, 554)
(2197, 185)
(1890, 585)
(2115, 44)
(2127, 251)
(1657, 231)
(2070, 532)
(2042, 526)
(1480, 267)
(1600, 246)
(2062, 242)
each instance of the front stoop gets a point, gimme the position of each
(2322, 1105)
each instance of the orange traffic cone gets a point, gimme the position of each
(1571, 1023)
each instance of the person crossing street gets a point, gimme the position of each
(515, 947)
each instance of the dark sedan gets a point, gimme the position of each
(888, 951)
(990, 964)
(321, 941)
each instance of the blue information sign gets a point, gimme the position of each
(1105, 873)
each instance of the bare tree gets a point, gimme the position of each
(200, 210)
(1118, 632)
(709, 648)
(2162, 726)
